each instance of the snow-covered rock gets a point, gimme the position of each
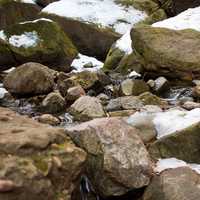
(106, 13)
(189, 19)
(173, 163)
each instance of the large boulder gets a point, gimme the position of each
(117, 159)
(178, 184)
(30, 79)
(12, 12)
(37, 161)
(171, 52)
(86, 21)
(33, 42)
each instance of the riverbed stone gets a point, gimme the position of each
(37, 161)
(117, 158)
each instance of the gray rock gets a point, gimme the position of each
(117, 159)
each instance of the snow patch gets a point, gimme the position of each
(175, 120)
(173, 163)
(27, 39)
(2, 35)
(26, 1)
(189, 19)
(124, 43)
(3, 91)
(82, 60)
(134, 74)
(37, 20)
(105, 13)
(9, 70)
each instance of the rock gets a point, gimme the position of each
(44, 3)
(153, 44)
(64, 84)
(183, 145)
(54, 103)
(179, 6)
(151, 83)
(84, 29)
(39, 161)
(196, 92)
(91, 80)
(177, 184)
(103, 98)
(149, 99)
(12, 12)
(48, 119)
(22, 43)
(30, 79)
(86, 108)
(190, 105)
(161, 85)
(133, 87)
(74, 93)
(117, 159)
(121, 113)
(124, 103)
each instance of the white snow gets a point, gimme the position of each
(175, 120)
(189, 19)
(124, 43)
(9, 70)
(2, 35)
(37, 20)
(81, 60)
(172, 163)
(3, 91)
(26, 1)
(134, 74)
(27, 39)
(105, 13)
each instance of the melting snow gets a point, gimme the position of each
(174, 120)
(2, 35)
(3, 91)
(82, 60)
(134, 74)
(172, 163)
(37, 20)
(189, 19)
(26, 1)
(124, 43)
(27, 39)
(99, 12)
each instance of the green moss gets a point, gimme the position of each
(41, 163)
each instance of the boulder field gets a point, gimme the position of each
(99, 99)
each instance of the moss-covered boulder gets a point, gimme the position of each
(37, 161)
(89, 21)
(121, 56)
(12, 12)
(40, 41)
(183, 145)
(170, 52)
